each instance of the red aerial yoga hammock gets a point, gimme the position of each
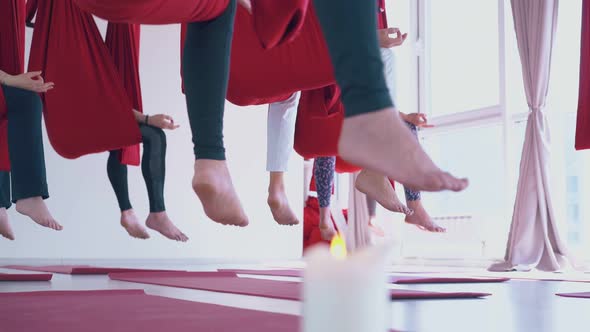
(259, 76)
(12, 58)
(154, 11)
(88, 111)
(122, 40)
(583, 121)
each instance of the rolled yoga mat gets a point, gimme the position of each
(25, 276)
(129, 310)
(393, 279)
(77, 269)
(227, 282)
(584, 295)
(408, 280)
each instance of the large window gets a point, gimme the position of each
(470, 83)
(463, 53)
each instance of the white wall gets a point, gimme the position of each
(82, 200)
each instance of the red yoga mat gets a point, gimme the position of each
(25, 277)
(274, 273)
(227, 282)
(584, 295)
(77, 269)
(443, 280)
(129, 310)
(407, 294)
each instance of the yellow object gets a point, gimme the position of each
(338, 247)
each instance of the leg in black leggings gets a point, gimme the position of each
(5, 190)
(153, 167)
(5, 229)
(117, 173)
(355, 53)
(205, 66)
(373, 135)
(25, 145)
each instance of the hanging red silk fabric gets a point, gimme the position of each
(88, 111)
(122, 40)
(583, 120)
(31, 10)
(12, 58)
(259, 76)
(278, 22)
(154, 11)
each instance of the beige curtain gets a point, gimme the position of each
(534, 239)
(358, 218)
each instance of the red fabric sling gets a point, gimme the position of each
(583, 120)
(12, 58)
(258, 75)
(154, 11)
(88, 111)
(122, 40)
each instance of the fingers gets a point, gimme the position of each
(46, 87)
(32, 74)
(40, 88)
(392, 31)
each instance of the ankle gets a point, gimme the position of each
(414, 205)
(34, 199)
(128, 213)
(158, 215)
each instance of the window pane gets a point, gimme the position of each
(398, 15)
(476, 220)
(464, 55)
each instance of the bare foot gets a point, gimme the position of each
(381, 142)
(378, 187)
(212, 183)
(278, 203)
(36, 209)
(422, 220)
(5, 229)
(160, 223)
(131, 224)
(326, 225)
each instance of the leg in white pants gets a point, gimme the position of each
(280, 133)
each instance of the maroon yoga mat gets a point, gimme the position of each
(584, 295)
(77, 269)
(129, 310)
(407, 294)
(442, 280)
(25, 277)
(393, 279)
(274, 273)
(227, 282)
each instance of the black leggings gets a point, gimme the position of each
(25, 145)
(205, 67)
(349, 27)
(153, 167)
